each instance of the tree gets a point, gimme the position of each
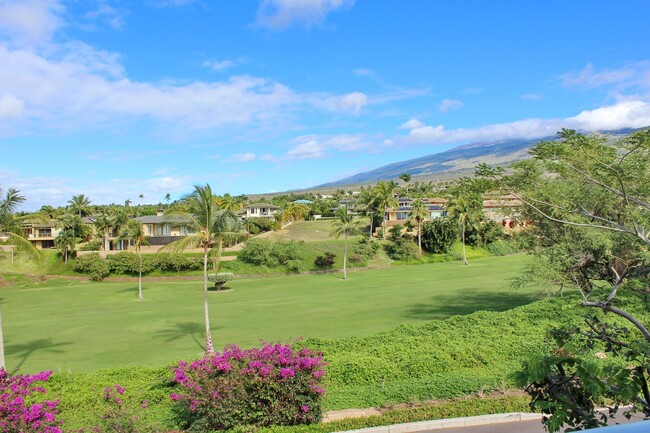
(168, 198)
(345, 225)
(464, 206)
(439, 235)
(79, 204)
(134, 231)
(419, 212)
(233, 203)
(406, 178)
(65, 241)
(109, 224)
(589, 204)
(210, 226)
(385, 192)
(295, 212)
(368, 204)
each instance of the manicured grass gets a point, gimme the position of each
(83, 326)
(318, 230)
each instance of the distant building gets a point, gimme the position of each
(259, 210)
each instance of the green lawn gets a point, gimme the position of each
(318, 230)
(83, 326)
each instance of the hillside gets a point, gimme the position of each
(456, 162)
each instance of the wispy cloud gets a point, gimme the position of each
(218, 65)
(242, 157)
(30, 22)
(447, 105)
(621, 82)
(628, 114)
(531, 96)
(104, 12)
(280, 14)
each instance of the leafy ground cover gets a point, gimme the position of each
(317, 230)
(84, 326)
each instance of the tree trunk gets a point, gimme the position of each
(345, 257)
(209, 347)
(371, 227)
(140, 275)
(420, 237)
(384, 224)
(216, 265)
(66, 254)
(2, 346)
(464, 254)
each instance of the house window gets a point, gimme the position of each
(44, 233)
(403, 215)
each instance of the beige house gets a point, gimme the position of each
(401, 214)
(159, 230)
(259, 210)
(41, 234)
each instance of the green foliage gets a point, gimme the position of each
(365, 249)
(439, 235)
(220, 278)
(94, 245)
(93, 265)
(176, 262)
(483, 233)
(401, 248)
(325, 261)
(259, 225)
(502, 247)
(263, 252)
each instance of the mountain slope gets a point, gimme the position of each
(458, 161)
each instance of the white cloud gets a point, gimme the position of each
(354, 102)
(218, 65)
(628, 81)
(307, 150)
(30, 22)
(115, 18)
(11, 107)
(280, 14)
(362, 72)
(242, 157)
(450, 105)
(588, 77)
(531, 97)
(411, 124)
(627, 114)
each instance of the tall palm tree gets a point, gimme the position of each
(168, 198)
(211, 226)
(386, 198)
(368, 204)
(419, 212)
(295, 212)
(135, 232)
(229, 202)
(79, 204)
(66, 241)
(466, 208)
(345, 225)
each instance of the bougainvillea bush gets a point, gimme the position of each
(17, 415)
(272, 385)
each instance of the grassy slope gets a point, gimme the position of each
(85, 326)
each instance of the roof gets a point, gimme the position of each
(269, 205)
(160, 219)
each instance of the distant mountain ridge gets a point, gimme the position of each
(456, 161)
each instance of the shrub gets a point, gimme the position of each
(402, 249)
(502, 248)
(294, 265)
(18, 416)
(220, 279)
(178, 262)
(486, 232)
(326, 261)
(91, 264)
(119, 416)
(439, 235)
(263, 252)
(272, 385)
(123, 263)
(94, 245)
(365, 248)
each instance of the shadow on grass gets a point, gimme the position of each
(466, 302)
(24, 351)
(179, 330)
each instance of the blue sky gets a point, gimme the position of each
(116, 98)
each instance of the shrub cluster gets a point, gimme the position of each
(94, 245)
(16, 415)
(263, 252)
(325, 261)
(220, 278)
(259, 225)
(126, 263)
(439, 235)
(364, 250)
(272, 385)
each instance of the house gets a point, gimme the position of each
(258, 210)
(41, 234)
(401, 214)
(161, 230)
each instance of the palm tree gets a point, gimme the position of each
(406, 178)
(211, 226)
(135, 232)
(8, 225)
(141, 196)
(168, 198)
(229, 202)
(79, 204)
(345, 225)
(419, 212)
(386, 198)
(368, 204)
(295, 212)
(110, 223)
(465, 207)
(66, 241)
